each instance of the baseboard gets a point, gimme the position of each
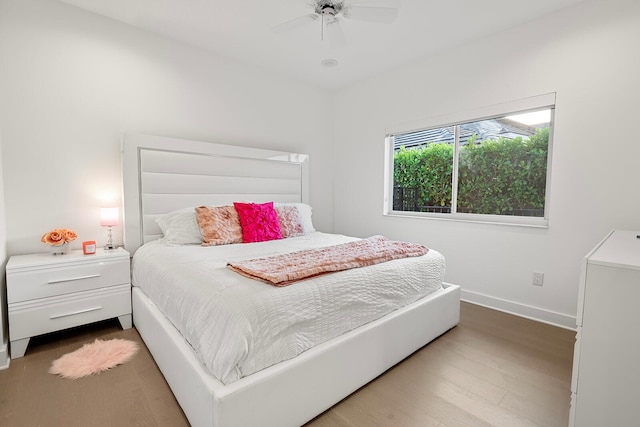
(518, 309)
(4, 356)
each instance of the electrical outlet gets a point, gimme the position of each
(538, 278)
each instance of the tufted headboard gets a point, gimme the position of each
(161, 175)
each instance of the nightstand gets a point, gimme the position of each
(47, 293)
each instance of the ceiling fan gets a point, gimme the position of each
(330, 14)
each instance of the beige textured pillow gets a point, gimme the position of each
(290, 221)
(219, 225)
(304, 210)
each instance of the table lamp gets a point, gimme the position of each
(109, 217)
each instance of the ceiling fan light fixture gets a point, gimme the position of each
(331, 13)
(328, 8)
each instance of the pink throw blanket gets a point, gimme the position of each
(282, 270)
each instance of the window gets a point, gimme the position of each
(489, 165)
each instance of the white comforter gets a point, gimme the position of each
(238, 326)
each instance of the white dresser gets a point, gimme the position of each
(606, 365)
(47, 293)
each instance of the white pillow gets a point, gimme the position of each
(305, 215)
(180, 227)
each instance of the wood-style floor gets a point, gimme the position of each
(493, 369)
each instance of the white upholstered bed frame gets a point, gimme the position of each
(161, 175)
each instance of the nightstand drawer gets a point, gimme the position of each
(37, 317)
(61, 280)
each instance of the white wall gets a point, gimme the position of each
(73, 83)
(4, 335)
(588, 55)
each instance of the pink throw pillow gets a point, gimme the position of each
(219, 225)
(290, 221)
(259, 222)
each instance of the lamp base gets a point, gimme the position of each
(110, 245)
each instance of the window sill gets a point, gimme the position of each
(523, 221)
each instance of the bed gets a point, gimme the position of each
(164, 175)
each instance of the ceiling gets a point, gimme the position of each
(243, 30)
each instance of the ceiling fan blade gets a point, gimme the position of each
(376, 3)
(384, 15)
(335, 34)
(295, 23)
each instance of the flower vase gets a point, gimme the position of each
(59, 249)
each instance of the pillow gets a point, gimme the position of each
(219, 225)
(259, 222)
(180, 227)
(290, 221)
(304, 210)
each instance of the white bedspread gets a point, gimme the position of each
(238, 326)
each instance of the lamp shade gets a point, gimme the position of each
(109, 217)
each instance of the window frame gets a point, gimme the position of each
(454, 119)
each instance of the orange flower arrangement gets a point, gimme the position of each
(59, 236)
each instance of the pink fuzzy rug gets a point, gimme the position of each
(94, 358)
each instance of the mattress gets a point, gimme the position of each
(238, 326)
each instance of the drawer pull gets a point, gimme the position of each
(90, 276)
(86, 310)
